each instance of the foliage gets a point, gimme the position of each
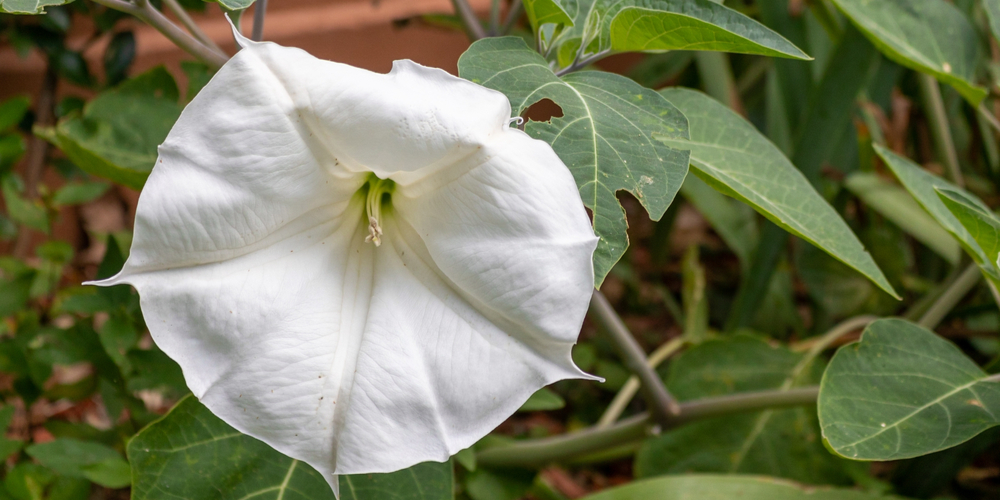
(846, 166)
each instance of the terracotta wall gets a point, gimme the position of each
(366, 33)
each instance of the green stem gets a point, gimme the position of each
(494, 18)
(930, 92)
(632, 385)
(513, 14)
(259, 11)
(191, 26)
(583, 62)
(148, 14)
(472, 25)
(951, 297)
(540, 452)
(661, 403)
(717, 78)
(987, 122)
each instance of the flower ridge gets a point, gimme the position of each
(365, 271)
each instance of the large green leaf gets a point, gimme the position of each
(28, 6)
(728, 487)
(695, 25)
(931, 36)
(782, 443)
(117, 134)
(729, 154)
(903, 392)
(639, 25)
(981, 223)
(542, 12)
(992, 8)
(83, 459)
(895, 204)
(924, 186)
(190, 453)
(605, 135)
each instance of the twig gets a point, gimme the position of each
(189, 23)
(661, 403)
(540, 452)
(816, 345)
(148, 14)
(951, 297)
(583, 63)
(472, 24)
(513, 14)
(631, 387)
(39, 148)
(940, 130)
(259, 11)
(494, 18)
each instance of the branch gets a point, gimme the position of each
(148, 14)
(516, 8)
(540, 452)
(627, 392)
(39, 149)
(189, 23)
(259, 11)
(940, 130)
(661, 403)
(583, 63)
(472, 24)
(951, 297)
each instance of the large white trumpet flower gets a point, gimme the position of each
(365, 271)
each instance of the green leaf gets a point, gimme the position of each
(782, 443)
(895, 204)
(733, 221)
(190, 453)
(234, 5)
(8, 446)
(498, 484)
(543, 400)
(544, 12)
(726, 487)
(605, 135)
(12, 111)
(85, 459)
(76, 193)
(930, 36)
(981, 223)
(903, 392)
(117, 134)
(198, 74)
(695, 25)
(27, 481)
(30, 213)
(12, 148)
(992, 8)
(426, 481)
(729, 154)
(923, 185)
(29, 6)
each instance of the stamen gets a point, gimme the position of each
(373, 207)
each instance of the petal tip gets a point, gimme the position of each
(241, 41)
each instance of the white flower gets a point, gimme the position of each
(365, 271)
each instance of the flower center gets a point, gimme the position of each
(377, 189)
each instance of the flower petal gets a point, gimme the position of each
(250, 259)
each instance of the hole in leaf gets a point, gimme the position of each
(543, 111)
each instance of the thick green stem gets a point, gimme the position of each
(940, 130)
(632, 385)
(191, 26)
(259, 12)
(581, 63)
(515, 11)
(472, 25)
(148, 14)
(540, 452)
(717, 78)
(951, 297)
(661, 403)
